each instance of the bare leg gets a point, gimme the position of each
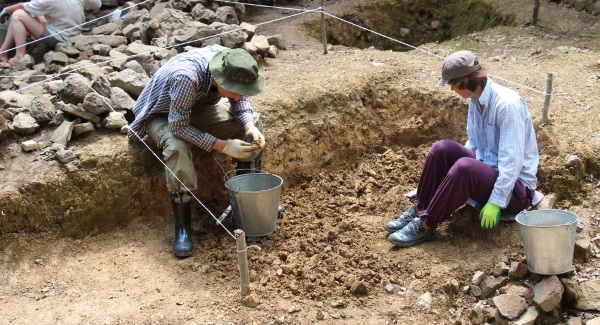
(21, 23)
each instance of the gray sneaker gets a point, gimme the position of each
(405, 218)
(412, 234)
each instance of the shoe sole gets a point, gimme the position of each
(413, 243)
(184, 254)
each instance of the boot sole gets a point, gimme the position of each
(184, 254)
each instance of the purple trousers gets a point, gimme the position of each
(450, 176)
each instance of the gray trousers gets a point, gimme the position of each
(177, 154)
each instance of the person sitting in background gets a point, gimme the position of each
(48, 20)
(498, 164)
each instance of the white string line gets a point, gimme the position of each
(257, 5)
(158, 158)
(430, 53)
(68, 29)
(520, 85)
(155, 50)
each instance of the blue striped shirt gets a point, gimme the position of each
(174, 89)
(502, 136)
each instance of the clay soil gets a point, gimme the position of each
(348, 131)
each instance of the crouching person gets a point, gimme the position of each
(199, 98)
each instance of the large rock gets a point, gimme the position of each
(86, 42)
(74, 88)
(164, 24)
(548, 293)
(130, 81)
(25, 124)
(589, 295)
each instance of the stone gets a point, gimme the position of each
(25, 124)
(227, 15)
(130, 81)
(74, 88)
(424, 302)
(62, 134)
(77, 111)
(521, 291)
(96, 104)
(501, 269)
(589, 295)
(583, 248)
(489, 285)
(528, 318)
(277, 41)
(251, 300)
(517, 270)
(5, 127)
(593, 321)
(510, 306)
(475, 290)
(29, 146)
(359, 288)
(476, 315)
(65, 156)
(82, 128)
(114, 120)
(548, 293)
(121, 99)
(548, 202)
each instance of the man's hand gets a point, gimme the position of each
(489, 216)
(257, 137)
(238, 148)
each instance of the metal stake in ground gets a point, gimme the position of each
(240, 239)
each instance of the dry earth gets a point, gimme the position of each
(348, 132)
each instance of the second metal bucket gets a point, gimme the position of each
(254, 199)
(549, 239)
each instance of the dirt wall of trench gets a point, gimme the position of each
(412, 22)
(119, 182)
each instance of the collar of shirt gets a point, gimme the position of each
(484, 99)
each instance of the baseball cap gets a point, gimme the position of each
(457, 65)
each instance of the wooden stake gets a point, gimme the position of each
(240, 238)
(536, 9)
(323, 35)
(547, 99)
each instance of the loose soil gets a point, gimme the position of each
(348, 131)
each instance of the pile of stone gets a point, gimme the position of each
(511, 294)
(92, 81)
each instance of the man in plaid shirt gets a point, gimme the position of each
(200, 98)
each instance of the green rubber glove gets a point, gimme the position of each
(489, 216)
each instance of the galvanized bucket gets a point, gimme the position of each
(549, 239)
(254, 199)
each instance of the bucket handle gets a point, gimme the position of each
(252, 170)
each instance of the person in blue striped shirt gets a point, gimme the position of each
(498, 164)
(200, 98)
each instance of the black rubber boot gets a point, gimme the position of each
(182, 244)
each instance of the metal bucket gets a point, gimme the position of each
(254, 199)
(549, 240)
